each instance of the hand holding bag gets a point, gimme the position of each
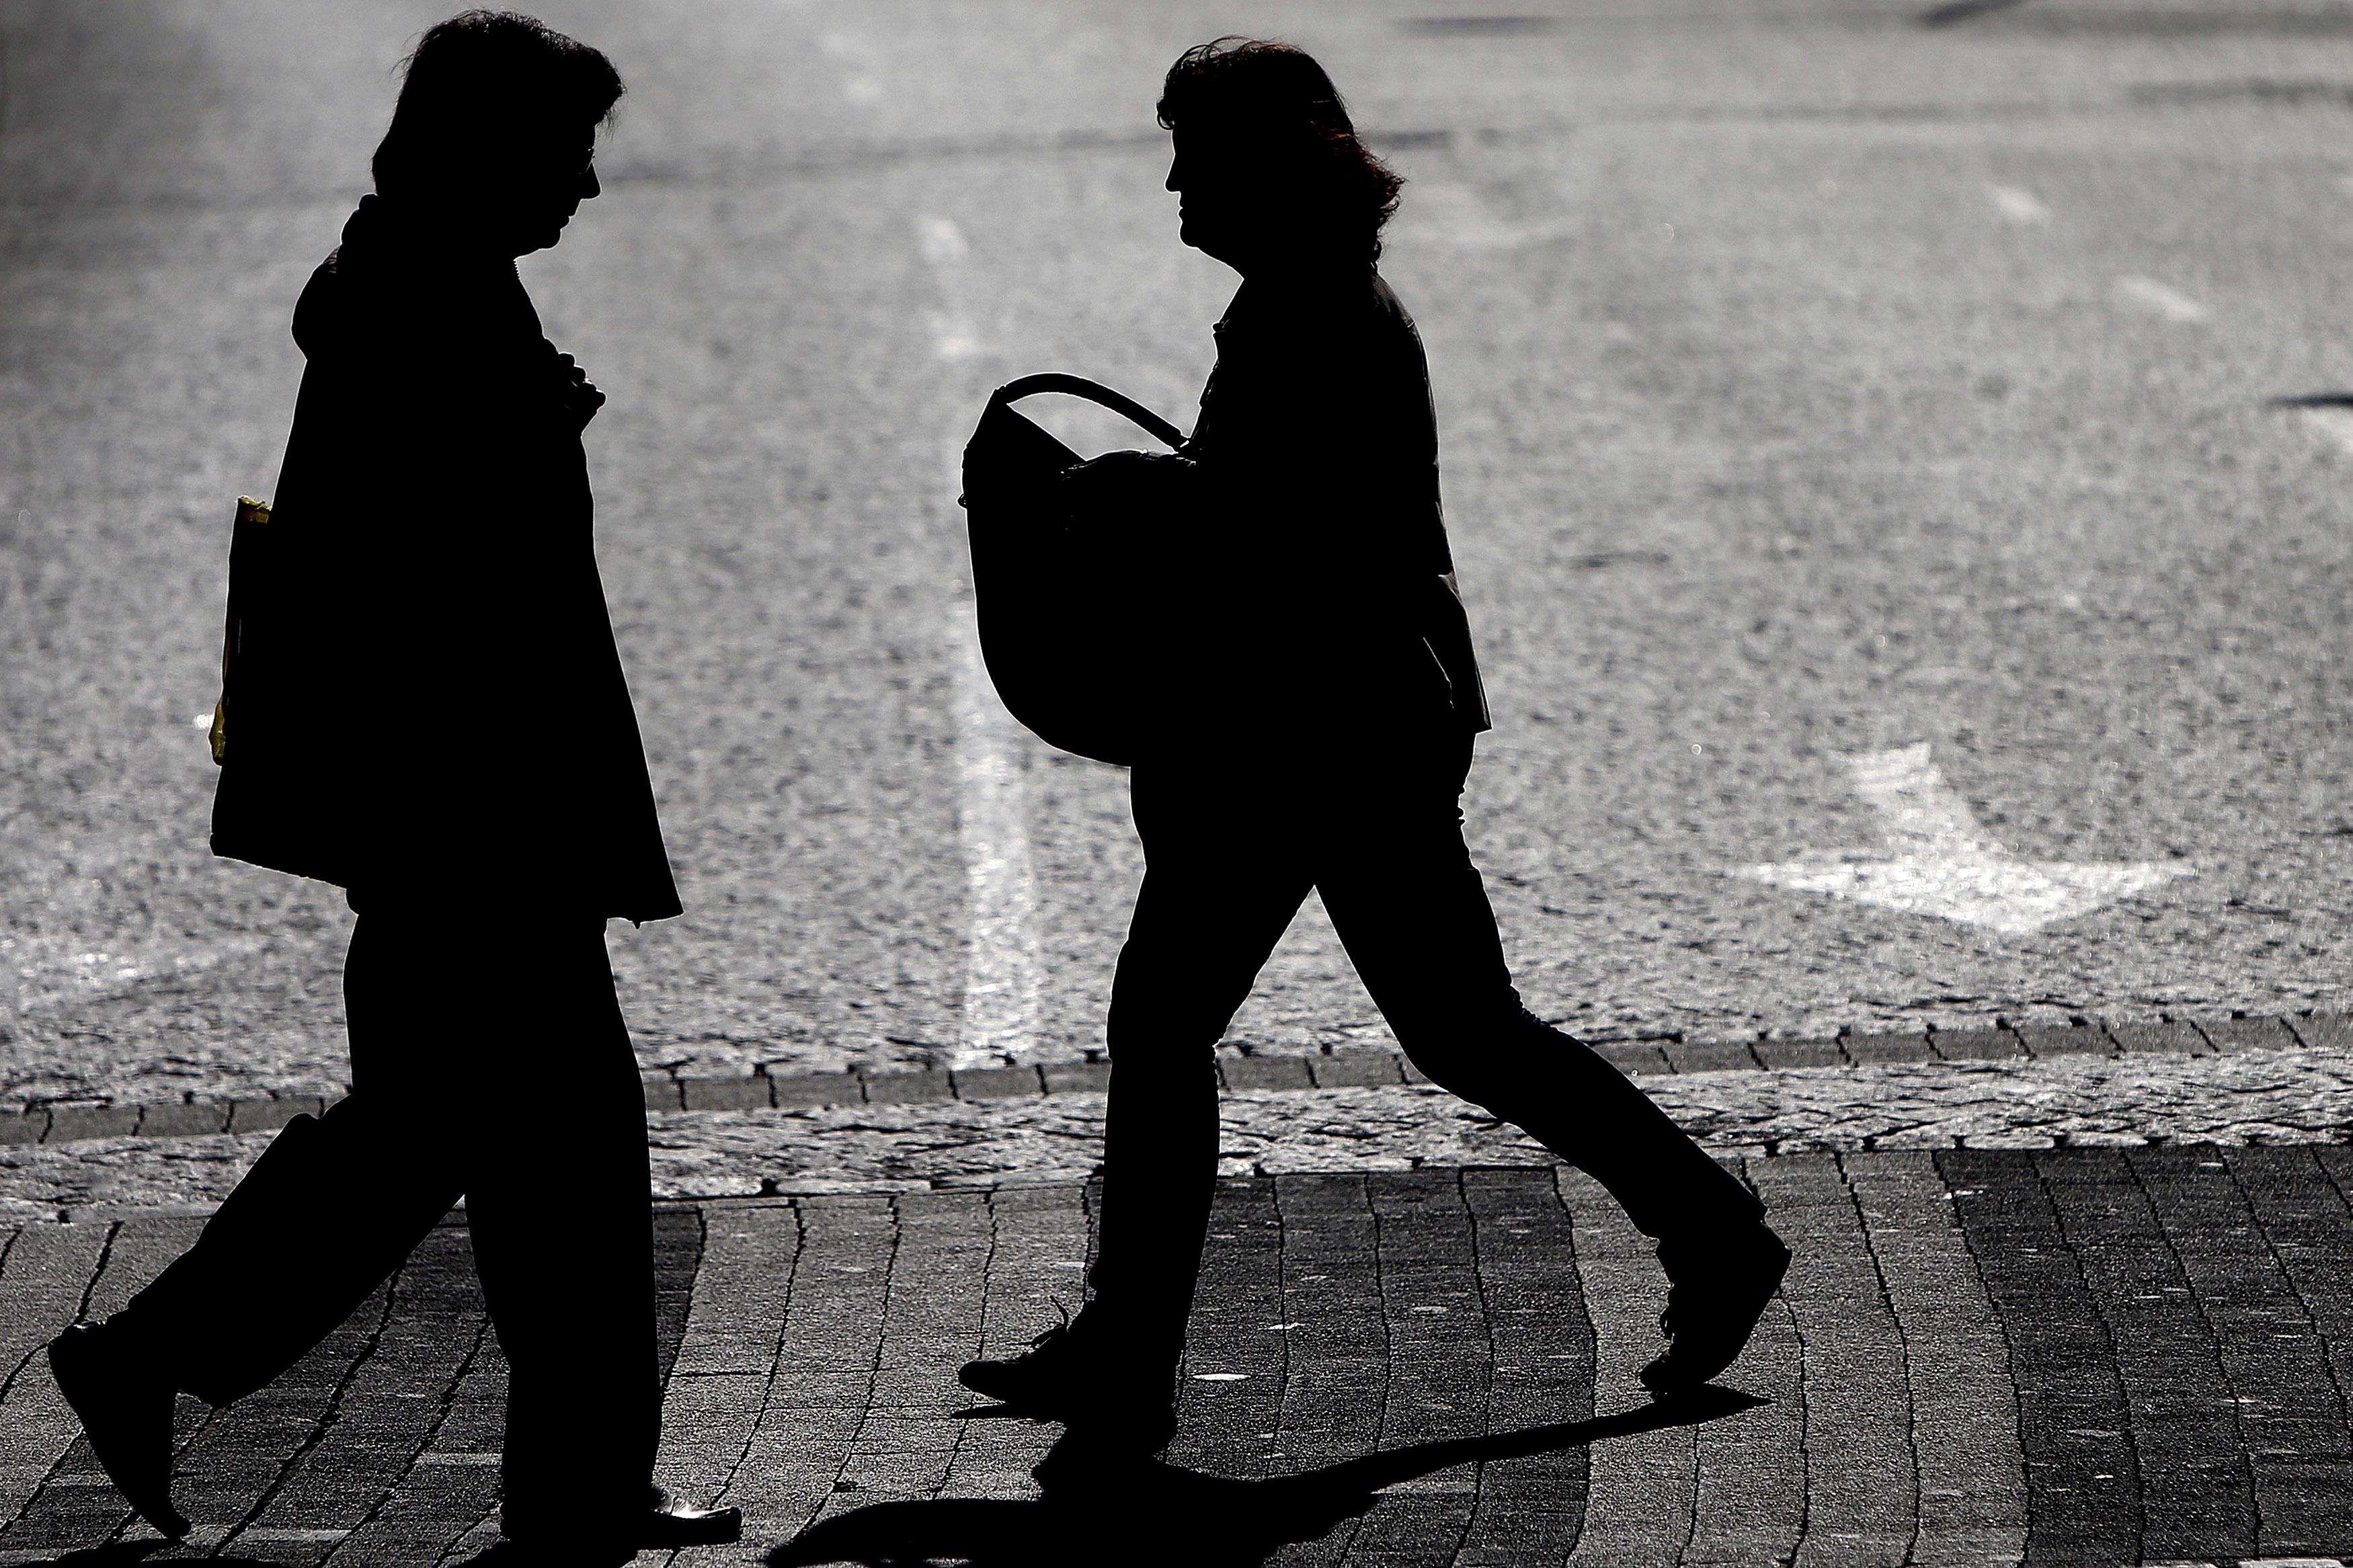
(1048, 593)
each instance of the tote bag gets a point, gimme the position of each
(1052, 589)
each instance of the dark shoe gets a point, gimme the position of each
(1089, 1380)
(1044, 1380)
(1719, 1285)
(673, 1524)
(126, 1411)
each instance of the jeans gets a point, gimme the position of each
(1229, 859)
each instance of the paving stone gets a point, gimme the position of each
(1872, 1050)
(1708, 1056)
(1076, 1078)
(2248, 1033)
(27, 1126)
(269, 1115)
(1264, 1072)
(995, 1083)
(2080, 1501)
(662, 1093)
(747, 1093)
(2323, 1031)
(2162, 1039)
(190, 1120)
(1841, 1355)
(2058, 1040)
(71, 1123)
(2165, 1328)
(1633, 1056)
(818, 1089)
(1782, 1055)
(1354, 1069)
(1975, 1046)
(904, 1088)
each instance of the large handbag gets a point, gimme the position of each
(1050, 628)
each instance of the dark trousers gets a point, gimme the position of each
(1378, 833)
(492, 1067)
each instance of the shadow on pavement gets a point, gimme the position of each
(1143, 1511)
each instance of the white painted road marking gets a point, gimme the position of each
(1944, 864)
(942, 244)
(2018, 206)
(2334, 423)
(2149, 294)
(1003, 976)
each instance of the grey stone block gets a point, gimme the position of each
(1783, 1054)
(2058, 1040)
(662, 1091)
(1976, 1046)
(902, 1088)
(747, 1093)
(1703, 1055)
(2323, 1031)
(2170, 1039)
(266, 1115)
(997, 1083)
(1076, 1078)
(2247, 1033)
(1872, 1050)
(182, 1121)
(1354, 1069)
(818, 1089)
(1265, 1072)
(25, 1127)
(1633, 1056)
(68, 1123)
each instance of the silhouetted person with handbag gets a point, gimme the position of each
(1306, 697)
(424, 705)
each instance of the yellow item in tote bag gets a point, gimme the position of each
(250, 514)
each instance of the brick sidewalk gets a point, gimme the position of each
(2078, 1358)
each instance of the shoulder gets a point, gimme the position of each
(1386, 305)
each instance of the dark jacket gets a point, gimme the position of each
(422, 694)
(1309, 491)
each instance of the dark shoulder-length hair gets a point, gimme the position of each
(482, 85)
(1261, 88)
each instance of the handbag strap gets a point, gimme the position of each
(1094, 391)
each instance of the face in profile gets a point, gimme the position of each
(1231, 188)
(546, 185)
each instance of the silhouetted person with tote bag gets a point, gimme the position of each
(1313, 695)
(424, 705)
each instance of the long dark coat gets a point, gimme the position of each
(423, 697)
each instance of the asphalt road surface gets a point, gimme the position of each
(1900, 598)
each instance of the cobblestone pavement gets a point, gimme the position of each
(2243, 1097)
(2070, 1358)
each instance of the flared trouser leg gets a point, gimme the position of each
(1421, 933)
(1230, 859)
(1209, 912)
(545, 1140)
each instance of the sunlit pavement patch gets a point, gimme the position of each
(2257, 1096)
(1943, 865)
